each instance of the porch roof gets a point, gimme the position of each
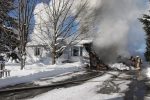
(82, 42)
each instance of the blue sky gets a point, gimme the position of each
(137, 34)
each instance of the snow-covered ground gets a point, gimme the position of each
(146, 69)
(88, 90)
(58, 78)
(121, 66)
(148, 72)
(94, 89)
(36, 71)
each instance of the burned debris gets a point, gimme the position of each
(95, 61)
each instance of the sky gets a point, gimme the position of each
(137, 31)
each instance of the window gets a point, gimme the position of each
(75, 51)
(37, 51)
(81, 51)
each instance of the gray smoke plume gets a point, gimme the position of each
(113, 19)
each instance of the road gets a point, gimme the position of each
(137, 88)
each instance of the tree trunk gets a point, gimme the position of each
(54, 45)
(54, 56)
(54, 52)
(22, 59)
(22, 63)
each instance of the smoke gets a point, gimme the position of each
(114, 20)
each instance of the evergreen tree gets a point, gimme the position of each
(5, 7)
(146, 22)
(8, 38)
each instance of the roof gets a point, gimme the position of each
(35, 43)
(82, 42)
(85, 41)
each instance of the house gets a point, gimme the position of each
(40, 52)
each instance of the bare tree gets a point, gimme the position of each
(24, 17)
(59, 22)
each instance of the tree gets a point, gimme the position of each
(5, 7)
(8, 37)
(24, 15)
(146, 22)
(59, 22)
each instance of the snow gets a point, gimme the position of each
(59, 39)
(84, 41)
(36, 71)
(61, 49)
(59, 78)
(121, 66)
(85, 91)
(12, 28)
(147, 71)
(42, 74)
(37, 42)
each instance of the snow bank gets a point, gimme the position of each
(35, 72)
(147, 71)
(62, 77)
(120, 66)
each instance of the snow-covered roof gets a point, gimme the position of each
(34, 43)
(84, 41)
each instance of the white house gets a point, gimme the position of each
(40, 52)
(38, 48)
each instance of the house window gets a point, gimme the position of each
(37, 51)
(81, 51)
(75, 51)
